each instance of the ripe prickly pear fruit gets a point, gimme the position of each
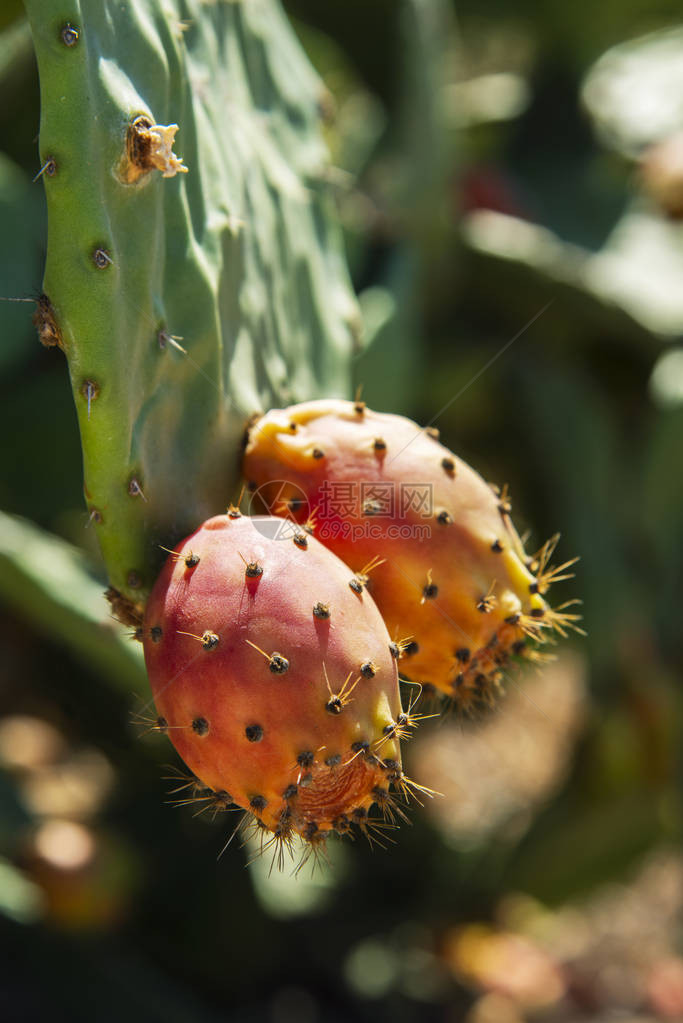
(276, 683)
(449, 571)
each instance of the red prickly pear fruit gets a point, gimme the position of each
(449, 571)
(255, 648)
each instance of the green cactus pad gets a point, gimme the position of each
(195, 278)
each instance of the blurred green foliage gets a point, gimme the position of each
(469, 223)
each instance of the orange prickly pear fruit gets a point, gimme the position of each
(277, 685)
(431, 539)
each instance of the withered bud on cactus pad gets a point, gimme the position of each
(450, 570)
(262, 702)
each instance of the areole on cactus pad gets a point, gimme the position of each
(431, 538)
(276, 683)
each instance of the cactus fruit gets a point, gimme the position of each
(448, 570)
(276, 683)
(193, 268)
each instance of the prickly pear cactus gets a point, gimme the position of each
(275, 680)
(192, 272)
(433, 541)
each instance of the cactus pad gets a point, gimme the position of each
(192, 272)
